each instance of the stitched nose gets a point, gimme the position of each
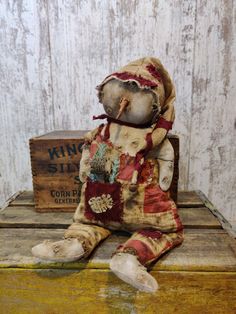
(122, 106)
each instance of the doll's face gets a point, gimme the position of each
(127, 102)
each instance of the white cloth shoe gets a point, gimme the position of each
(67, 250)
(128, 268)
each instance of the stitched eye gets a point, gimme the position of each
(135, 143)
(108, 109)
(155, 107)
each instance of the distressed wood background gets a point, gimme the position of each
(53, 54)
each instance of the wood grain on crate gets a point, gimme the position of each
(55, 160)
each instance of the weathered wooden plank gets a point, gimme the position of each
(27, 217)
(26, 198)
(189, 199)
(100, 291)
(213, 150)
(231, 229)
(198, 218)
(185, 199)
(26, 88)
(209, 250)
(9, 200)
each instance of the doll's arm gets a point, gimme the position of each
(164, 124)
(85, 158)
(165, 121)
(84, 169)
(165, 157)
(164, 153)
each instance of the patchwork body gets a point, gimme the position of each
(107, 197)
(109, 202)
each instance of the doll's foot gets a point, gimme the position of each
(67, 250)
(128, 268)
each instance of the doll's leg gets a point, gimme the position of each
(144, 247)
(79, 241)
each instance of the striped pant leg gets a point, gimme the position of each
(149, 244)
(88, 235)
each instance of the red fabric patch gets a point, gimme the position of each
(150, 233)
(151, 69)
(146, 172)
(145, 254)
(162, 123)
(156, 200)
(107, 132)
(132, 77)
(98, 189)
(93, 149)
(127, 167)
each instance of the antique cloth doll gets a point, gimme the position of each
(126, 169)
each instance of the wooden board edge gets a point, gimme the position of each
(33, 225)
(54, 210)
(87, 265)
(8, 202)
(38, 225)
(43, 136)
(16, 202)
(223, 221)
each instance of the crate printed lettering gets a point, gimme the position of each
(65, 197)
(63, 151)
(63, 167)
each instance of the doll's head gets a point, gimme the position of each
(138, 93)
(129, 103)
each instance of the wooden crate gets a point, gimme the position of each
(197, 277)
(55, 159)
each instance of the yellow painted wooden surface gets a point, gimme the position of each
(99, 291)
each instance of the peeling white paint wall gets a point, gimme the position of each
(54, 53)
